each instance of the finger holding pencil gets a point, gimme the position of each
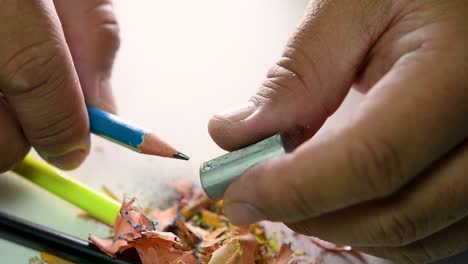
(115, 129)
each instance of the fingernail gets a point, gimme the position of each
(68, 161)
(238, 113)
(242, 213)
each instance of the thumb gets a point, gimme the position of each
(40, 84)
(310, 80)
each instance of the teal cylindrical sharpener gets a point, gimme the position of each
(217, 174)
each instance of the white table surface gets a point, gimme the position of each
(179, 63)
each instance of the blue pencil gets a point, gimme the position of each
(115, 129)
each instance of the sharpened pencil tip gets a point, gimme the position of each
(181, 156)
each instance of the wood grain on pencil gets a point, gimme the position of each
(153, 145)
(120, 131)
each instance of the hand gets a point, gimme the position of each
(54, 57)
(393, 180)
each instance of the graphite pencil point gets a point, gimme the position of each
(181, 156)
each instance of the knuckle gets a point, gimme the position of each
(300, 62)
(30, 67)
(280, 82)
(376, 163)
(314, 67)
(286, 78)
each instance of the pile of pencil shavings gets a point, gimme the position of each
(192, 231)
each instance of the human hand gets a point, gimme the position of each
(393, 180)
(54, 57)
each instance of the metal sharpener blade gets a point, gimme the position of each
(217, 174)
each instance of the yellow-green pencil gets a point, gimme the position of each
(57, 182)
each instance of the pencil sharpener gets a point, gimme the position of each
(218, 173)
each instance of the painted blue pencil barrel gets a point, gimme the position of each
(113, 128)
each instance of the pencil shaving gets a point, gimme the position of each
(201, 235)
